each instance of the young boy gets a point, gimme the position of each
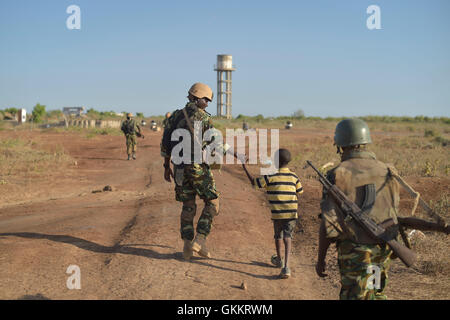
(282, 190)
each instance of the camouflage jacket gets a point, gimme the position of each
(165, 122)
(358, 169)
(127, 124)
(177, 121)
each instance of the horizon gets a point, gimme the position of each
(142, 56)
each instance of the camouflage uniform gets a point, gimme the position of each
(130, 136)
(357, 252)
(165, 122)
(192, 179)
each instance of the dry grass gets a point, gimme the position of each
(21, 158)
(419, 149)
(89, 133)
(434, 248)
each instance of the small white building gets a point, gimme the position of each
(22, 116)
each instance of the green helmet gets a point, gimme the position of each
(351, 132)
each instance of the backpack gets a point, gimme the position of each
(128, 127)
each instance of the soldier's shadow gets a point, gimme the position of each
(142, 252)
(95, 247)
(105, 159)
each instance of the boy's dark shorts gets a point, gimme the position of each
(284, 228)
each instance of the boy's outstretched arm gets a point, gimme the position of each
(324, 244)
(252, 181)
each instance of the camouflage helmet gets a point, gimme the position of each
(351, 132)
(129, 115)
(200, 90)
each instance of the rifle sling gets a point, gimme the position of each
(191, 128)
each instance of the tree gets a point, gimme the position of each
(139, 115)
(38, 113)
(298, 114)
(13, 111)
(258, 117)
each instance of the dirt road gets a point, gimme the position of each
(127, 243)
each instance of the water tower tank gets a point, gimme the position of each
(224, 62)
(224, 68)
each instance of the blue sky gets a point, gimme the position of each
(315, 55)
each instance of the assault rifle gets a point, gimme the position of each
(362, 218)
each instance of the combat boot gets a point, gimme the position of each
(187, 250)
(129, 157)
(134, 156)
(199, 246)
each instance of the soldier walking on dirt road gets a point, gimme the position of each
(361, 177)
(131, 129)
(192, 179)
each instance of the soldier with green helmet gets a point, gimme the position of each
(359, 255)
(131, 129)
(192, 179)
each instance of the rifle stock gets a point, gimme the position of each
(405, 254)
(377, 232)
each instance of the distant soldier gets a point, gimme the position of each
(245, 126)
(131, 129)
(168, 114)
(192, 179)
(367, 182)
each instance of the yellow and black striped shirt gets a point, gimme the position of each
(282, 189)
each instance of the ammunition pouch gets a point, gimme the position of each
(178, 175)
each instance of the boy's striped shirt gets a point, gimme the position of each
(282, 189)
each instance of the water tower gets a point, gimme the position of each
(224, 69)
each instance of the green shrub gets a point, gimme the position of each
(429, 133)
(38, 113)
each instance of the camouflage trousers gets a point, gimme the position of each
(364, 270)
(131, 143)
(191, 181)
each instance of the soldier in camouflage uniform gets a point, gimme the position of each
(192, 179)
(358, 254)
(130, 128)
